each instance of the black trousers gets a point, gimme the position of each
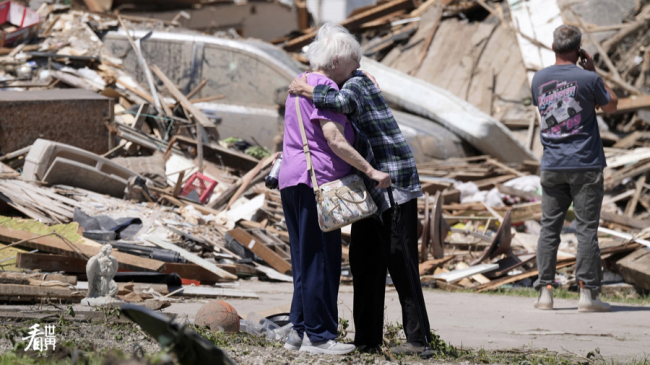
(374, 248)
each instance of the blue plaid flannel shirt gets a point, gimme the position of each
(377, 136)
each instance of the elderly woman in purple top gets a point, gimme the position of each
(315, 255)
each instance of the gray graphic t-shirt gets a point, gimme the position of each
(566, 96)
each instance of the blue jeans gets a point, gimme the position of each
(316, 266)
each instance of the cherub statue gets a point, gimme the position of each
(100, 270)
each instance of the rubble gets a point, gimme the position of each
(133, 116)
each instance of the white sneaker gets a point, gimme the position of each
(545, 300)
(293, 341)
(590, 302)
(331, 347)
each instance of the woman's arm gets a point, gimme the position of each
(334, 135)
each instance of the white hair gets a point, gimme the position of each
(332, 40)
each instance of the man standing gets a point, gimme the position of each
(375, 244)
(572, 164)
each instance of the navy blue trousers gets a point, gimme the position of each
(316, 266)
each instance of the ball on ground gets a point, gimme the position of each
(218, 316)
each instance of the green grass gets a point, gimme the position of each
(564, 294)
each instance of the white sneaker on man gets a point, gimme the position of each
(545, 299)
(331, 347)
(590, 302)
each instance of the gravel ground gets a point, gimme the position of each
(100, 337)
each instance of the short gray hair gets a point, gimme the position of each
(332, 40)
(566, 38)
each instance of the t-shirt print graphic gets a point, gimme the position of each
(559, 109)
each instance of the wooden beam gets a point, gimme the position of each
(498, 164)
(141, 116)
(19, 292)
(354, 22)
(631, 104)
(179, 184)
(223, 274)
(194, 272)
(196, 89)
(424, 49)
(630, 28)
(209, 126)
(51, 263)
(260, 250)
(94, 6)
(58, 246)
(208, 99)
(40, 276)
(246, 179)
(631, 205)
(429, 266)
(625, 221)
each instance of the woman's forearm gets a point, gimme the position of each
(334, 135)
(348, 154)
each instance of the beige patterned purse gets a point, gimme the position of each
(340, 202)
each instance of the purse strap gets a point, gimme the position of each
(305, 148)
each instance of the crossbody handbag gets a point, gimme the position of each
(340, 202)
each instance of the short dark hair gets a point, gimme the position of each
(566, 38)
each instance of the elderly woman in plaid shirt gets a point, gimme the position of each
(375, 245)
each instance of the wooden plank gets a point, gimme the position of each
(17, 292)
(429, 266)
(424, 49)
(93, 5)
(490, 183)
(635, 268)
(209, 126)
(618, 197)
(494, 284)
(179, 184)
(198, 273)
(41, 276)
(631, 205)
(246, 179)
(58, 246)
(196, 89)
(223, 274)
(631, 104)
(354, 22)
(141, 116)
(629, 140)
(381, 21)
(504, 167)
(625, 221)
(260, 250)
(50, 263)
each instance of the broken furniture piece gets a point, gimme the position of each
(62, 164)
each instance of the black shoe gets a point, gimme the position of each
(407, 349)
(369, 349)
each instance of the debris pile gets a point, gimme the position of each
(136, 132)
